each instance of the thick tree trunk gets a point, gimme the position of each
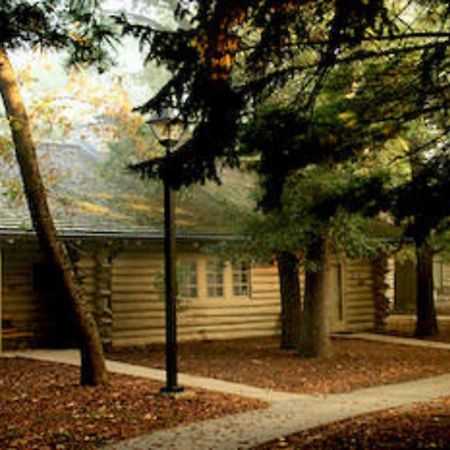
(314, 328)
(290, 299)
(93, 370)
(426, 323)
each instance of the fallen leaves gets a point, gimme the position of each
(420, 426)
(43, 407)
(260, 362)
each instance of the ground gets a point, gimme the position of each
(43, 407)
(399, 325)
(412, 427)
(260, 362)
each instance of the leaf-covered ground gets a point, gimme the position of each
(404, 326)
(43, 407)
(421, 426)
(260, 362)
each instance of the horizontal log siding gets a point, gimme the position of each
(138, 304)
(22, 304)
(359, 296)
(25, 306)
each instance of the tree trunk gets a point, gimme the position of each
(314, 329)
(290, 299)
(93, 370)
(426, 322)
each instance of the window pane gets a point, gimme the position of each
(241, 279)
(214, 278)
(187, 279)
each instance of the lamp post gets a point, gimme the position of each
(168, 130)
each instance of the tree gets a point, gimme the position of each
(72, 25)
(312, 154)
(236, 54)
(424, 202)
(203, 85)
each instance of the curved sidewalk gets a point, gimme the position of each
(241, 431)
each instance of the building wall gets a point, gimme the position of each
(359, 295)
(138, 303)
(28, 310)
(405, 283)
(132, 287)
(441, 273)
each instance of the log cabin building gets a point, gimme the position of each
(114, 227)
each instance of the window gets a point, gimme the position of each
(241, 279)
(187, 279)
(214, 278)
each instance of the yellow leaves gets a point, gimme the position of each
(25, 75)
(349, 119)
(217, 50)
(403, 143)
(140, 207)
(92, 208)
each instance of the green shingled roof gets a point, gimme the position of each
(83, 201)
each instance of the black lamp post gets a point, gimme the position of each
(168, 130)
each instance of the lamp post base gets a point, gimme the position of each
(171, 390)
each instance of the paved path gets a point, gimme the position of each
(241, 431)
(287, 413)
(395, 340)
(227, 387)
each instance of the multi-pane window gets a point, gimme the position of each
(214, 278)
(187, 279)
(241, 279)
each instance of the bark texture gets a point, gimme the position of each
(314, 329)
(426, 323)
(290, 299)
(93, 370)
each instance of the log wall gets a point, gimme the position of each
(27, 308)
(359, 295)
(138, 303)
(129, 292)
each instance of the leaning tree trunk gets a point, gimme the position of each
(93, 370)
(290, 299)
(426, 322)
(314, 329)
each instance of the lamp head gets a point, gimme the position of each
(167, 127)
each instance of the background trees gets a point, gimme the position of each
(235, 55)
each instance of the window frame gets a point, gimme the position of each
(238, 271)
(215, 284)
(189, 284)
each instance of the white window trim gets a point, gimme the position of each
(180, 295)
(249, 295)
(228, 287)
(202, 283)
(224, 280)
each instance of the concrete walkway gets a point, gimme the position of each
(241, 431)
(395, 340)
(287, 413)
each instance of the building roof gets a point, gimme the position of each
(87, 203)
